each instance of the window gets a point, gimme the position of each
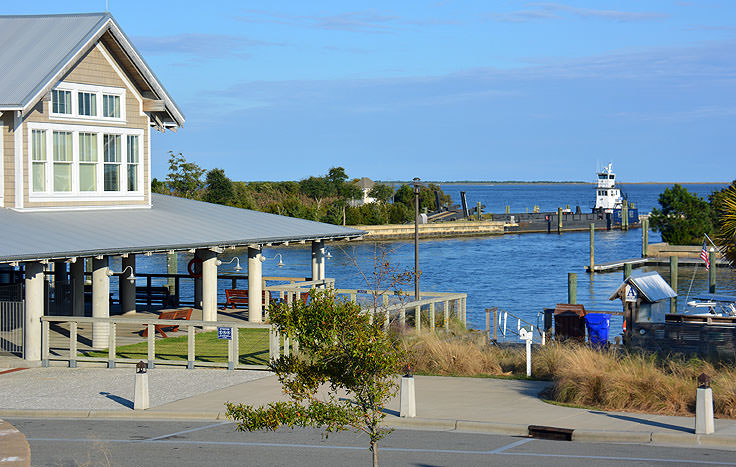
(38, 156)
(61, 101)
(110, 106)
(87, 162)
(62, 161)
(111, 144)
(87, 103)
(132, 162)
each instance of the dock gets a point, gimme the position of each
(655, 261)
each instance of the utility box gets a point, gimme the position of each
(569, 322)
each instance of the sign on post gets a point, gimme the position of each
(224, 333)
(631, 294)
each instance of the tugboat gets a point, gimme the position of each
(608, 198)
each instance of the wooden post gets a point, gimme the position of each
(431, 316)
(673, 283)
(446, 309)
(111, 346)
(73, 344)
(402, 316)
(190, 347)
(625, 215)
(478, 211)
(418, 318)
(488, 323)
(572, 288)
(592, 246)
(172, 268)
(508, 209)
(712, 270)
(627, 270)
(151, 344)
(644, 237)
(559, 220)
(495, 324)
(45, 345)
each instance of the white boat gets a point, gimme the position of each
(711, 305)
(607, 195)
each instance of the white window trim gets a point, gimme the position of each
(98, 91)
(76, 195)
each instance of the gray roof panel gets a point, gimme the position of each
(650, 285)
(170, 224)
(34, 48)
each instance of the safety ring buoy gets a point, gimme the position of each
(195, 267)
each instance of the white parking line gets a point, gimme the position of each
(509, 446)
(501, 452)
(187, 431)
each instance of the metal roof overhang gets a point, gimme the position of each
(170, 224)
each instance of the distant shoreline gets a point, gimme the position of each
(396, 182)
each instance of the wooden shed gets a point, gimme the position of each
(569, 321)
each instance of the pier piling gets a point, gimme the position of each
(572, 288)
(712, 270)
(644, 237)
(627, 270)
(559, 220)
(592, 246)
(625, 215)
(673, 283)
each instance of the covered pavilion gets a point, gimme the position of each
(31, 241)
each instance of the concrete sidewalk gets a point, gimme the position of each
(444, 403)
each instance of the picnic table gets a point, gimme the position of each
(183, 314)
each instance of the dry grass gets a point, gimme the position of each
(609, 380)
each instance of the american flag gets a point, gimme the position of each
(704, 256)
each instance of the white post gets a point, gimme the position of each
(77, 270)
(318, 260)
(255, 291)
(100, 301)
(126, 286)
(209, 286)
(141, 399)
(527, 336)
(407, 400)
(34, 311)
(704, 424)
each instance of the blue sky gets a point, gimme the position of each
(442, 90)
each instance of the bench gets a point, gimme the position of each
(184, 314)
(157, 294)
(234, 297)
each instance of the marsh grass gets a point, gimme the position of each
(582, 376)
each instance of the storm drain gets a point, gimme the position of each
(550, 432)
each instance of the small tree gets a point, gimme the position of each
(382, 192)
(184, 178)
(218, 188)
(341, 348)
(726, 218)
(684, 217)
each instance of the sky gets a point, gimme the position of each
(441, 90)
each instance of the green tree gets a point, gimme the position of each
(726, 222)
(218, 188)
(184, 178)
(243, 196)
(159, 187)
(338, 346)
(683, 218)
(381, 192)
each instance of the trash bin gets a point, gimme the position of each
(598, 324)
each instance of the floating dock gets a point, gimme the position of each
(656, 261)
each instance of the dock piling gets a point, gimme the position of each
(712, 270)
(559, 220)
(627, 270)
(592, 246)
(625, 216)
(673, 283)
(572, 288)
(644, 237)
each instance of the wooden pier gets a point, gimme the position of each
(657, 261)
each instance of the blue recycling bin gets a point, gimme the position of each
(597, 325)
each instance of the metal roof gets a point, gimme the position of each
(35, 51)
(170, 224)
(650, 285)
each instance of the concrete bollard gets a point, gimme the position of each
(408, 403)
(704, 424)
(141, 399)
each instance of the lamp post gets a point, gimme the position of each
(417, 185)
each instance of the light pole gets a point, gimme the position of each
(417, 185)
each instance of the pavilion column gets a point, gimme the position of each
(126, 286)
(318, 260)
(77, 271)
(255, 286)
(59, 272)
(209, 284)
(100, 301)
(34, 283)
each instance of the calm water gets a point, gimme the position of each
(520, 273)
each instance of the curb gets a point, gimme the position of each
(111, 414)
(597, 436)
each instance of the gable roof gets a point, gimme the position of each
(649, 285)
(37, 50)
(170, 224)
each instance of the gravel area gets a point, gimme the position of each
(109, 389)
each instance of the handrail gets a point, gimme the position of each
(500, 316)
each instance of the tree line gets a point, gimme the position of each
(327, 198)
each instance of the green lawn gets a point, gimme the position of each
(252, 346)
